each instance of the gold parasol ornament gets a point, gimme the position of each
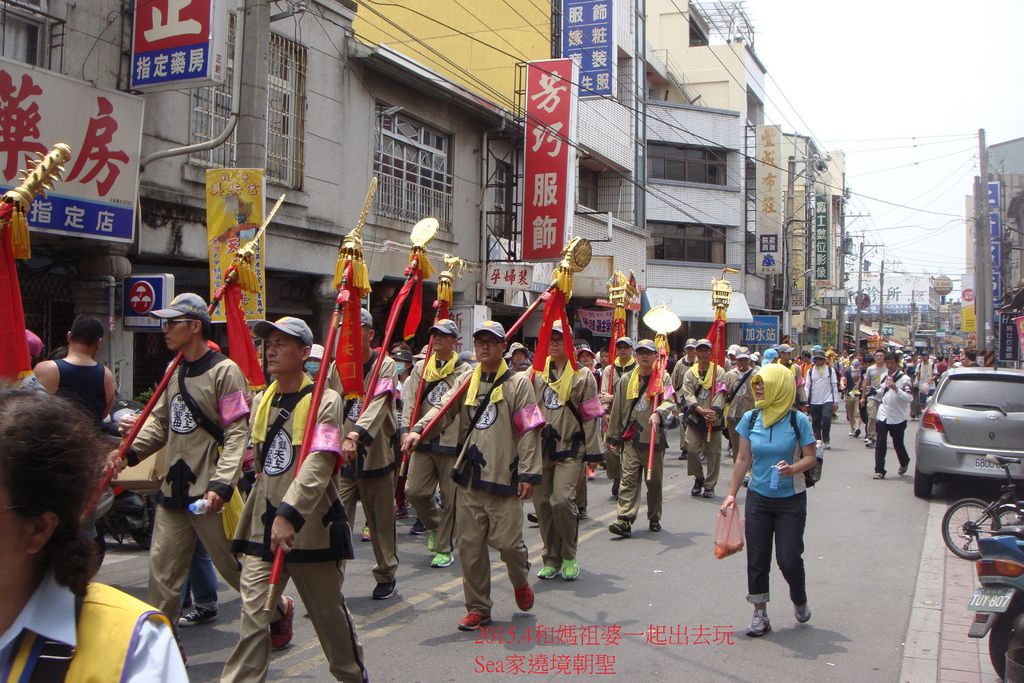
(575, 257)
(454, 266)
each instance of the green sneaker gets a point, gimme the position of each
(442, 560)
(547, 572)
(432, 540)
(570, 570)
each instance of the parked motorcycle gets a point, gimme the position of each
(999, 602)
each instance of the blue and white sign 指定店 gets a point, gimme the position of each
(143, 294)
(588, 37)
(764, 331)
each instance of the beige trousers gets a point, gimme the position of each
(697, 443)
(319, 587)
(170, 555)
(378, 497)
(485, 519)
(853, 411)
(428, 471)
(581, 487)
(634, 466)
(555, 499)
(872, 414)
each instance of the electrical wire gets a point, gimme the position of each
(913, 163)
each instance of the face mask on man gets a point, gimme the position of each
(401, 367)
(312, 367)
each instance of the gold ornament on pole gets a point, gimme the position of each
(39, 180)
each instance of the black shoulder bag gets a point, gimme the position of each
(284, 408)
(211, 427)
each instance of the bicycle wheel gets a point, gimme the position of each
(963, 522)
(1010, 515)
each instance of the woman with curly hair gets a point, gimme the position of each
(55, 624)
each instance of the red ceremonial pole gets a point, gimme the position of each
(108, 474)
(659, 371)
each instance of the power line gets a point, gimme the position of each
(913, 163)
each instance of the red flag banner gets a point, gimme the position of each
(415, 314)
(14, 359)
(349, 358)
(554, 310)
(240, 346)
(716, 335)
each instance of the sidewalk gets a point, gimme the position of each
(937, 647)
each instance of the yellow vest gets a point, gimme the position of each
(105, 631)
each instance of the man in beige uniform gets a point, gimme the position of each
(701, 381)
(570, 406)
(497, 468)
(430, 465)
(678, 374)
(309, 522)
(740, 398)
(629, 430)
(623, 363)
(369, 473)
(199, 418)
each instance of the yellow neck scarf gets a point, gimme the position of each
(779, 393)
(563, 385)
(618, 364)
(261, 419)
(474, 385)
(432, 373)
(709, 377)
(633, 386)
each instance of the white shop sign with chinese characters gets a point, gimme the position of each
(96, 199)
(515, 276)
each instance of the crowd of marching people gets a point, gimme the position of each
(460, 440)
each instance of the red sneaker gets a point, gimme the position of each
(524, 597)
(281, 630)
(473, 621)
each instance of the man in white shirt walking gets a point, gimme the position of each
(823, 395)
(896, 394)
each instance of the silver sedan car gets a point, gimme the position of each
(975, 411)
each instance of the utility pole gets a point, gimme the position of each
(787, 265)
(251, 134)
(982, 251)
(881, 298)
(860, 285)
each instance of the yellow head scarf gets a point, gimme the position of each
(474, 385)
(563, 385)
(779, 392)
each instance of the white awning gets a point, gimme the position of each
(694, 305)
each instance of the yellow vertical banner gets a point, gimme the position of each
(235, 207)
(967, 320)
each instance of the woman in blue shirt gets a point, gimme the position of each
(774, 436)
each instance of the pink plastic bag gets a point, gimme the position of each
(728, 532)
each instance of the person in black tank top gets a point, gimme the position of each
(79, 377)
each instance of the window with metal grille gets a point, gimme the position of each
(413, 166)
(286, 113)
(24, 31)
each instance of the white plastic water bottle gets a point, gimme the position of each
(819, 450)
(773, 484)
(198, 507)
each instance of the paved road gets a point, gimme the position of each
(863, 547)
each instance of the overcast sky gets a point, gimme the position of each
(869, 76)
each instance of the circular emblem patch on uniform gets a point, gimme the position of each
(182, 421)
(278, 455)
(641, 405)
(550, 398)
(434, 395)
(488, 417)
(703, 394)
(353, 411)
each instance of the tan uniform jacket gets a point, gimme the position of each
(309, 501)
(446, 442)
(696, 396)
(196, 463)
(679, 373)
(377, 426)
(630, 419)
(494, 457)
(571, 429)
(610, 375)
(744, 398)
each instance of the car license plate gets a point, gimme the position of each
(982, 463)
(991, 599)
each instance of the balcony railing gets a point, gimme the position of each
(410, 202)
